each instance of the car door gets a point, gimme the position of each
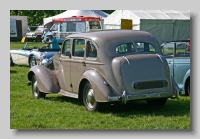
(77, 62)
(64, 66)
(181, 62)
(23, 57)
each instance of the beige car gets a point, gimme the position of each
(35, 35)
(107, 66)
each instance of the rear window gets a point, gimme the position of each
(145, 47)
(125, 48)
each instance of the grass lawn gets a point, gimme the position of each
(60, 112)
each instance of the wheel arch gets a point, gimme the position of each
(47, 79)
(186, 80)
(101, 89)
(186, 85)
(81, 86)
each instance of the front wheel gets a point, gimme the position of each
(157, 102)
(11, 61)
(88, 98)
(35, 91)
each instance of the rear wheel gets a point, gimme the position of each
(157, 102)
(35, 91)
(32, 62)
(88, 98)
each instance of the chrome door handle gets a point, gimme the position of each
(170, 62)
(83, 63)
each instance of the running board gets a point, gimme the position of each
(68, 94)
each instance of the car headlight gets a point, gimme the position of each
(45, 61)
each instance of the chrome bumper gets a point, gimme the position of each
(124, 97)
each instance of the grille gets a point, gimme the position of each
(150, 84)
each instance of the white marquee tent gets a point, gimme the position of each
(69, 13)
(165, 25)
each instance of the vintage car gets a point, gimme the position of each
(30, 56)
(177, 54)
(107, 66)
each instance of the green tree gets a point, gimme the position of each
(35, 17)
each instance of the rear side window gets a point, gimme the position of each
(145, 47)
(125, 48)
(91, 50)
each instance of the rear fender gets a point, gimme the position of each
(47, 79)
(101, 88)
(176, 88)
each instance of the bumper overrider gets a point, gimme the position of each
(125, 97)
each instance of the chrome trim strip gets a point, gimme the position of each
(127, 60)
(159, 57)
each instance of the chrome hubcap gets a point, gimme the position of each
(90, 98)
(32, 62)
(35, 89)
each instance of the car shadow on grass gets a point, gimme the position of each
(173, 107)
(60, 98)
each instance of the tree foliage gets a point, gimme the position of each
(35, 17)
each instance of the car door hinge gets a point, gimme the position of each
(71, 85)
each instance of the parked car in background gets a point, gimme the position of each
(35, 35)
(107, 66)
(177, 54)
(30, 55)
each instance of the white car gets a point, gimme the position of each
(30, 56)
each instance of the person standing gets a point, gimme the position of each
(188, 45)
(53, 43)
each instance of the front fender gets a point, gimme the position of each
(46, 78)
(101, 88)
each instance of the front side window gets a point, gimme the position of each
(125, 48)
(145, 47)
(66, 48)
(78, 47)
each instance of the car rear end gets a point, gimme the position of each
(143, 76)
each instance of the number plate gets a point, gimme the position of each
(152, 95)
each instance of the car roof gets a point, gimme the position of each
(111, 34)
